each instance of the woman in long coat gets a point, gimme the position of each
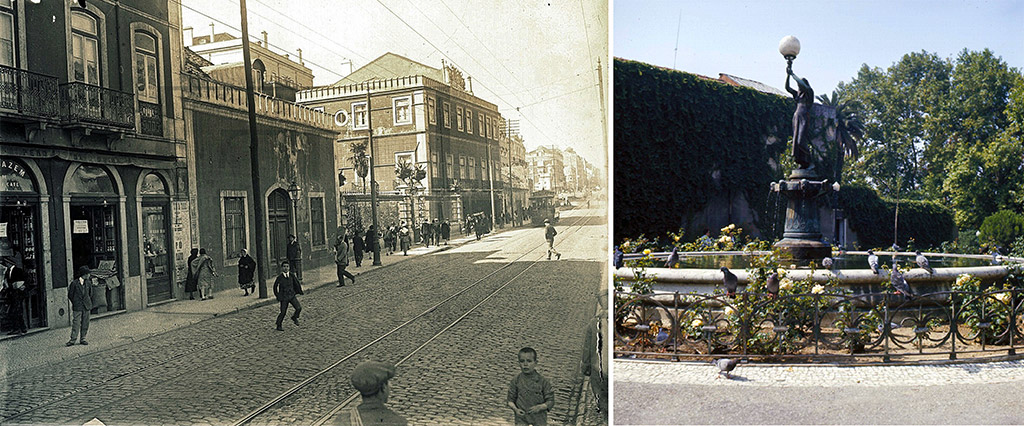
(203, 270)
(190, 279)
(246, 272)
(405, 237)
(358, 248)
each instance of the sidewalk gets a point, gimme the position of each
(46, 345)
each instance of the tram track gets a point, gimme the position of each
(308, 402)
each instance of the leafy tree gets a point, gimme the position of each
(984, 179)
(1003, 228)
(360, 161)
(848, 127)
(410, 174)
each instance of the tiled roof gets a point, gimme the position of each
(756, 85)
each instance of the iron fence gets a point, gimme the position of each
(28, 93)
(84, 102)
(820, 326)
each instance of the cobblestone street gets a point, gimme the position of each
(218, 370)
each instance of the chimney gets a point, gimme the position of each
(212, 32)
(265, 43)
(470, 80)
(300, 57)
(186, 33)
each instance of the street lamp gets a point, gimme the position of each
(294, 193)
(789, 47)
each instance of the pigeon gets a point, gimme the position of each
(923, 262)
(661, 338)
(730, 282)
(827, 262)
(772, 285)
(899, 283)
(617, 258)
(873, 261)
(673, 258)
(995, 257)
(725, 365)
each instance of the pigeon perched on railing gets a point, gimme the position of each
(873, 261)
(725, 365)
(617, 258)
(772, 285)
(730, 282)
(995, 257)
(827, 263)
(923, 262)
(899, 283)
(673, 258)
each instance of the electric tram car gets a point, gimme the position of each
(542, 206)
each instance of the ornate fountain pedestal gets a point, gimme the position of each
(801, 239)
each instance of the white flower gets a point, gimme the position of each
(732, 227)
(729, 310)
(781, 272)
(1003, 297)
(818, 289)
(697, 323)
(786, 284)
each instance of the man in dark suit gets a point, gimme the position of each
(16, 288)
(80, 295)
(287, 289)
(295, 256)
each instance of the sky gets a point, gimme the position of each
(836, 37)
(536, 60)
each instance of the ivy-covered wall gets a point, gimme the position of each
(872, 218)
(682, 140)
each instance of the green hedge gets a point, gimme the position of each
(673, 129)
(872, 218)
(1003, 228)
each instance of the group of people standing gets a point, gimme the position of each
(200, 274)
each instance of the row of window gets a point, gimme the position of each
(486, 126)
(86, 45)
(234, 205)
(467, 167)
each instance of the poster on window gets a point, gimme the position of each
(181, 227)
(80, 226)
(3, 229)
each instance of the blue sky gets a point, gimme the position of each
(742, 37)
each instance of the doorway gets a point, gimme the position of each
(278, 223)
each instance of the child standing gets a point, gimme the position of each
(529, 394)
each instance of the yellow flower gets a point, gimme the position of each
(732, 227)
(697, 323)
(729, 310)
(785, 284)
(782, 272)
(963, 279)
(676, 238)
(647, 252)
(818, 289)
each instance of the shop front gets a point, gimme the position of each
(158, 266)
(20, 242)
(96, 213)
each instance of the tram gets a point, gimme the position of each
(542, 206)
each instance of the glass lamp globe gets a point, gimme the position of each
(789, 47)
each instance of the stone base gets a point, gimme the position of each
(803, 251)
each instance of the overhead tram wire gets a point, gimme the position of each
(481, 43)
(559, 95)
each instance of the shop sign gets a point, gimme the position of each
(13, 177)
(80, 226)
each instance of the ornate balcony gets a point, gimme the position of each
(25, 94)
(151, 119)
(97, 108)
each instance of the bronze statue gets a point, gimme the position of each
(801, 118)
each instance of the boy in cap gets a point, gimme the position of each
(370, 378)
(80, 295)
(286, 290)
(530, 395)
(549, 234)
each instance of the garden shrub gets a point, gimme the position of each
(926, 223)
(1002, 228)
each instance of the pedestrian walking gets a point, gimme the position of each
(372, 242)
(405, 235)
(191, 286)
(202, 269)
(425, 233)
(341, 257)
(529, 394)
(370, 378)
(15, 288)
(549, 234)
(80, 295)
(286, 290)
(436, 234)
(389, 239)
(294, 253)
(246, 273)
(358, 248)
(446, 231)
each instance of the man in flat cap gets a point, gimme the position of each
(80, 295)
(370, 378)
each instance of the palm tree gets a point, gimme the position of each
(360, 161)
(848, 126)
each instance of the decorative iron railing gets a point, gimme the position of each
(214, 92)
(834, 327)
(28, 93)
(151, 121)
(88, 103)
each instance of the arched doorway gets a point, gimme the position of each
(95, 233)
(21, 239)
(278, 223)
(156, 241)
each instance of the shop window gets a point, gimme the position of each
(318, 229)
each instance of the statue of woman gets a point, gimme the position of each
(801, 118)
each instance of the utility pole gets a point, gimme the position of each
(373, 183)
(490, 180)
(254, 159)
(511, 190)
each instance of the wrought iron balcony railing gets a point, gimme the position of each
(87, 103)
(151, 120)
(28, 93)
